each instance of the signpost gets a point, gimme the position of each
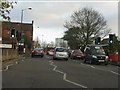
(5, 45)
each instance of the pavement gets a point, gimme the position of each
(13, 61)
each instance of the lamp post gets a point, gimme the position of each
(21, 31)
(42, 40)
(22, 13)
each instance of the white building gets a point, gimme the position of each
(61, 43)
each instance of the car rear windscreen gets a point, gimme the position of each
(61, 50)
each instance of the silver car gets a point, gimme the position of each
(60, 53)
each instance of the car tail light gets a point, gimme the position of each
(36, 50)
(32, 51)
(41, 51)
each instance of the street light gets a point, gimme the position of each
(42, 39)
(22, 13)
(21, 25)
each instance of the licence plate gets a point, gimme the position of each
(61, 55)
(101, 60)
(37, 54)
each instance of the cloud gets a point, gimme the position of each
(50, 16)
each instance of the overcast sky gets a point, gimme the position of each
(49, 16)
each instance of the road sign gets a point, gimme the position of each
(5, 45)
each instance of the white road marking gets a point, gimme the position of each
(16, 62)
(76, 84)
(101, 69)
(50, 61)
(114, 73)
(92, 66)
(64, 76)
(7, 67)
(88, 65)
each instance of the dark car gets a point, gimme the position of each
(95, 54)
(37, 52)
(77, 54)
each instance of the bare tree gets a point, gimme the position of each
(37, 43)
(5, 8)
(88, 24)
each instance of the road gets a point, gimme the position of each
(47, 73)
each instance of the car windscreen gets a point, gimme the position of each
(61, 50)
(38, 49)
(98, 50)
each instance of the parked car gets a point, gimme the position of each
(60, 53)
(114, 59)
(77, 54)
(51, 52)
(37, 52)
(95, 54)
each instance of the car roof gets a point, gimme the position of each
(93, 45)
(37, 48)
(60, 47)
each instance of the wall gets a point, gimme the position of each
(9, 54)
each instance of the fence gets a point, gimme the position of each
(9, 54)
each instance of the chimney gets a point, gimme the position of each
(32, 21)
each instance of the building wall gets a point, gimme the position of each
(9, 54)
(26, 27)
(119, 20)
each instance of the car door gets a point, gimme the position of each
(87, 54)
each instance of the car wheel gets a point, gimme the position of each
(66, 59)
(70, 57)
(106, 63)
(91, 62)
(32, 55)
(85, 60)
(53, 58)
(41, 56)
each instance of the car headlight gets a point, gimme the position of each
(106, 57)
(94, 56)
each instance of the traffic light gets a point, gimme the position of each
(97, 40)
(18, 35)
(13, 32)
(111, 38)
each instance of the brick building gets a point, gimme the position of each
(25, 29)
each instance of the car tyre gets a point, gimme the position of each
(66, 59)
(106, 63)
(41, 56)
(53, 58)
(91, 62)
(85, 61)
(32, 55)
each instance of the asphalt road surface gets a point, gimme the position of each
(48, 73)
